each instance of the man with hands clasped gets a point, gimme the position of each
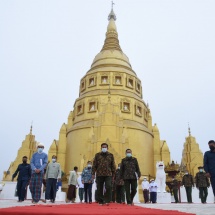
(39, 161)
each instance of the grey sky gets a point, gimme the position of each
(46, 47)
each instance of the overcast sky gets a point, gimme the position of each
(46, 47)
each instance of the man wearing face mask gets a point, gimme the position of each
(104, 168)
(23, 179)
(145, 187)
(153, 187)
(39, 161)
(209, 164)
(188, 182)
(87, 180)
(120, 189)
(130, 173)
(53, 173)
(202, 183)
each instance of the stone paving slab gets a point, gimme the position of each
(198, 209)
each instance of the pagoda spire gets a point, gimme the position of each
(112, 15)
(189, 130)
(31, 128)
(111, 41)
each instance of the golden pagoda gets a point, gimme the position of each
(192, 156)
(110, 109)
(28, 148)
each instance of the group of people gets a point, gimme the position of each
(149, 189)
(202, 177)
(107, 178)
(202, 183)
(110, 182)
(35, 174)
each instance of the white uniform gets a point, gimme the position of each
(153, 187)
(145, 185)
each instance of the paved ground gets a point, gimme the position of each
(198, 209)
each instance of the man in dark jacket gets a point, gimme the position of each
(130, 173)
(188, 183)
(202, 183)
(23, 179)
(104, 168)
(209, 164)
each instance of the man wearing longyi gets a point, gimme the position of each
(39, 161)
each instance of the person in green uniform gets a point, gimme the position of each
(202, 183)
(175, 187)
(188, 183)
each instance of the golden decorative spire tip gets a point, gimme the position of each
(189, 129)
(31, 127)
(112, 15)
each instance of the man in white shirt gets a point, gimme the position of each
(153, 191)
(145, 187)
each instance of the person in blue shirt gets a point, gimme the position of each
(23, 179)
(209, 164)
(39, 161)
(87, 180)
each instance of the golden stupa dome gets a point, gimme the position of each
(111, 53)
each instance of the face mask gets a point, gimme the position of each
(201, 170)
(104, 149)
(53, 160)
(24, 161)
(128, 154)
(144, 179)
(211, 148)
(118, 167)
(40, 150)
(89, 165)
(186, 173)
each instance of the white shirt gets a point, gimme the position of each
(153, 187)
(145, 185)
(80, 185)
